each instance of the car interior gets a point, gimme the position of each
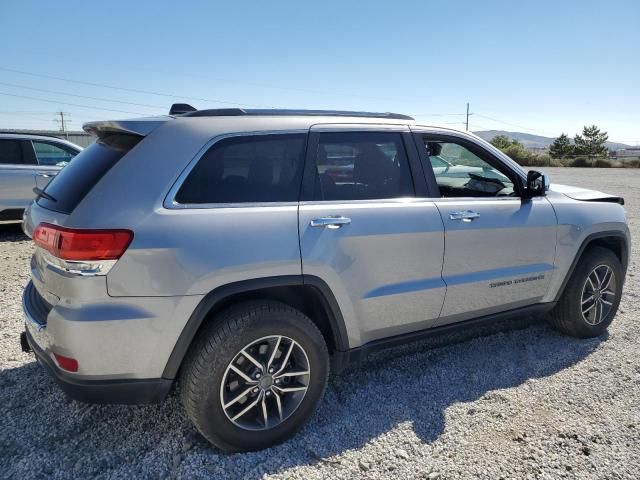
(461, 173)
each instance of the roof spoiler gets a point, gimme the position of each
(140, 127)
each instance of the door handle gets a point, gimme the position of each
(330, 222)
(44, 175)
(464, 215)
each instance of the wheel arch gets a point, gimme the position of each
(307, 293)
(614, 240)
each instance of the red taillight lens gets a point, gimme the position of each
(66, 363)
(72, 244)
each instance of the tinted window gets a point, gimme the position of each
(10, 152)
(76, 180)
(460, 172)
(362, 165)
(261, 168)
(52, 154)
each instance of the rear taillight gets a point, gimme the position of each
(82, 245)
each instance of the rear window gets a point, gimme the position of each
(74, 181)
(261, 168)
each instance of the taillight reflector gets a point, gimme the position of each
(66, 363)
(79, 244)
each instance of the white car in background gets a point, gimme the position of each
(28, 162)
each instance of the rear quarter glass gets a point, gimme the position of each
(83, 172)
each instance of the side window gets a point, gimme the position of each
(50, 154)
(11, 152)
(362, 166)
(460, 172)
(261, 168)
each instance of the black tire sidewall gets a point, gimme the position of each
(213, 422)
(595, 257)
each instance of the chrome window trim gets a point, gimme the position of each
(170, 202)
(358, 127)
(371, 201)
(19, 166)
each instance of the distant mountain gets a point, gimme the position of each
(535, 141)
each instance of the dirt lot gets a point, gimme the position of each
(525, 403)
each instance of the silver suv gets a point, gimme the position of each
(28, 162)
(246, 254)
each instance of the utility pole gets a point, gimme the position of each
(467, 116)
(63, 126)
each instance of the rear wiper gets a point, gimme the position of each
(43, 194)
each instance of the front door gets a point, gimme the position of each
(499, 247)
(364, 231)
(51, 157)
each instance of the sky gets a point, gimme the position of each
(542, 67)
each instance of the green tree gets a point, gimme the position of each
(501, 141)
(591, 142)
(561, 147)
(515, 150)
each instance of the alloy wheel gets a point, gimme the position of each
(265, 383)
(598, 294)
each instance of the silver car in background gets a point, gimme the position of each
(27, 162)
(246, 254)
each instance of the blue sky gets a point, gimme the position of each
(541, 67)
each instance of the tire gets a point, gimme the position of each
(207, 378)
(567, 316)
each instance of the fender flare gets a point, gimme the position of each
(219, 294)
(583, 246)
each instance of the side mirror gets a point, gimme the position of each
(537, 184)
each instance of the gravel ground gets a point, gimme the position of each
(525, 403)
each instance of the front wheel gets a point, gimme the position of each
(592, 295)
(257, 373)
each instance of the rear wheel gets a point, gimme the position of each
(256, 375)
(592, 295)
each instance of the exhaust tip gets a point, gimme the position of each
(24, 343)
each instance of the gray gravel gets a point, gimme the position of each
(527, 403)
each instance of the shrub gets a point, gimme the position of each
(602, 163)
(533, 160)
(631, 163)
(556, 162)
(580, 162)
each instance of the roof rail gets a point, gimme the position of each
(232, 112)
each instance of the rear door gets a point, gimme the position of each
(499, 246)
(367, 230)
(16, 177)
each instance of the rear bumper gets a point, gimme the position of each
(133, 391)
(100, 390)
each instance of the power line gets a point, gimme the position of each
(25, 116)
(36, 53)
(479, 126)
(513, 124)
(134, 90)
(83, 96)
(436, 114)
(71, 104)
